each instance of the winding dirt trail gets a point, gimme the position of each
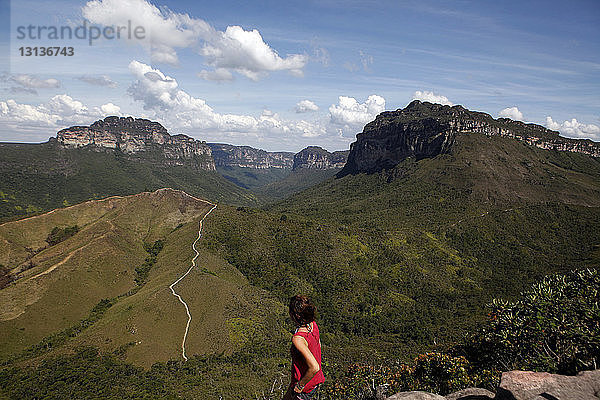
(187, 309)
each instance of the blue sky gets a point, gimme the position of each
(283, 75)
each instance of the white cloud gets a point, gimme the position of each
(60, 111)
(305, 106)
(574, 129)
(98, 80)
(25, 83)
(65, 105)
(512, 113)
(12, 112)
(218, 75)
(33, 82)
(161, 94)
(431, 97)
(352, 114)
(232, 50)
(164, 31)
(110, 109)
(163, 100)
(246, 53)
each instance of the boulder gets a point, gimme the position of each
(416, 396)
(527, 385)
(471, 394)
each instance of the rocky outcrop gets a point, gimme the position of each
(314, 157)
(527, 385)
(524, 385)
(136, 137)
(424, 130)
(227, 155)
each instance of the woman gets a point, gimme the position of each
(306, 351)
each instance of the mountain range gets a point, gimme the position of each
(123, 155)
(401, 241)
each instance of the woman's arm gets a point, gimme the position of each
(313, 366)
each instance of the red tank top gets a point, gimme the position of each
(299, 366)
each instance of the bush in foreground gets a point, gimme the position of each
(554, 327)
(431, 372)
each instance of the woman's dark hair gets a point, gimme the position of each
(302, 310)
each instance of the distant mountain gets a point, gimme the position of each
(314, 157)
(41, 177)
(272, 175)
(136, 137)
(125, 155)
(312, 165)
(425, 130)
(294, 182)
(429, 163)
(227, 155)
(446, 215)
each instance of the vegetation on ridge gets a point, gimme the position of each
(555, 308)
(45, 176)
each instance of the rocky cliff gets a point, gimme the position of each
(314, 157)
(227, 155)
(136, 137)
(424, 130)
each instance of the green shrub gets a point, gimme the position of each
(441, 373)
(432, 372)
(143, 270)
(57, 234)
(554, 327)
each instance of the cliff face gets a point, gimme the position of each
(227, 155)
(314, 157)
(135, 137)
(424, 130)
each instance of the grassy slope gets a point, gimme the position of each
(417, 251)
(481, 174)
(112, 236)
(389, 293)
(38, 177)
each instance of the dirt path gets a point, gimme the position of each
(187, 309)
(67, 258)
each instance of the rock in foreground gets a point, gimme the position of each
(526, 385)
(416, 395)
(471, 394)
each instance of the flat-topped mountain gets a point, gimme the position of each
(227, 155)
(315, 157)
(424, 130)
(275, 174)
(136, 135)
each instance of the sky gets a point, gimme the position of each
(283, 75)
